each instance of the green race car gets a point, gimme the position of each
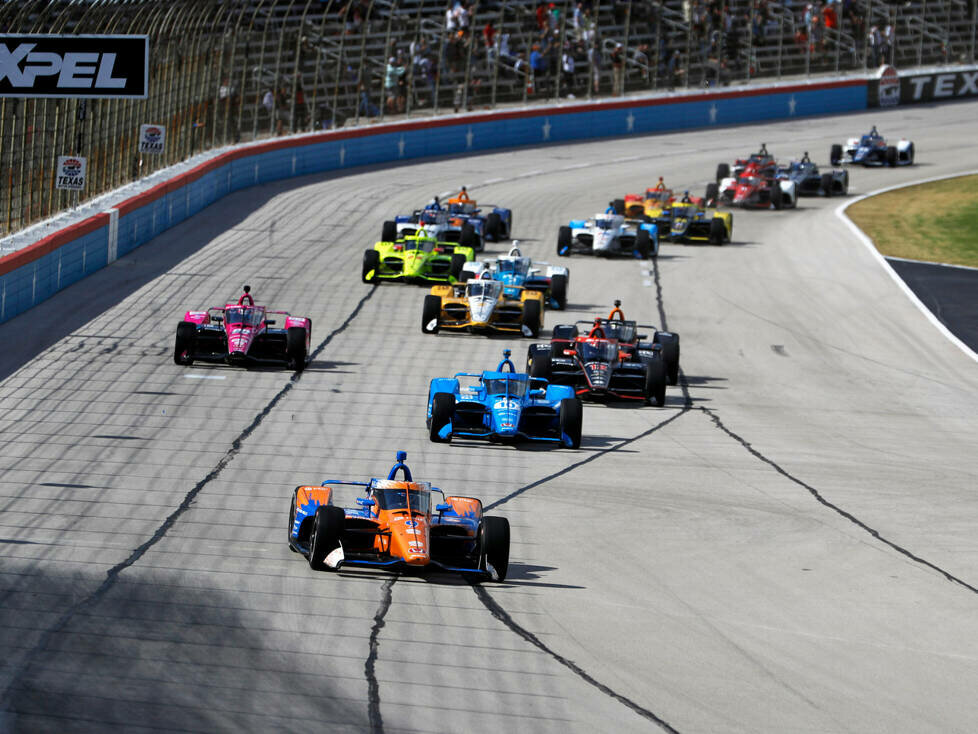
(416, 259)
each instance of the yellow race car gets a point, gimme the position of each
(482, 305)
(686, 219)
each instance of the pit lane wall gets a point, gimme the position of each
(38, 271)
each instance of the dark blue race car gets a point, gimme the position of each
(872, 149)
(503, 405)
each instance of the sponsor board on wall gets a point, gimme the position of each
(70, 173)
(889, 87)
(43, 65)
(152, 138)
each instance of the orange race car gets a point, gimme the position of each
(394, 526)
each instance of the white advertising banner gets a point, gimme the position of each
(152, 138)
(70, 173)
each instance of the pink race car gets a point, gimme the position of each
(241, 334)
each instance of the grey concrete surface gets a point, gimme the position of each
(787, 546)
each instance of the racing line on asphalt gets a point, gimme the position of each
(112, 575)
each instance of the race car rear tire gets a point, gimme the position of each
(442, 412)
(643, 244)
(327, 526)
(777, 195)
(291, 523)
(465, 275)
(718, 231)
(723, 171)
(430, 314)
(388, 233)
(619, 206)
(835, 156)
(571, 419)
(458, 262)
(845, 183)
(295, 348)
(183, 347)
(532, 317)
(670, 355)
(508, 225)
(468, 237)
(712, 194)
(558, 290)
(494, 226)
(371, 264)
(828, 181)
(655, 382)
(564, 239)
(910, 155)
(540, 366)
(495, 544)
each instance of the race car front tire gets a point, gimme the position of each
(430, 314)
(291, 523)
(718, 231)
(327, 526)
(532, 317)
(571, 419)
(495, 545)
(183, 347)
(295, 348)
(827, 184)
(891, 155)
(564, 239)
(835, 156)
(458, 262)
(723, 171)
(442, 412)
(643, 244)
(388, 232)
(371, 264)
(558, 290)
(494, 226)
(655, 382)
(712, 195)
(777, 195)
(619, 206)
(468, 237)
(540, 365)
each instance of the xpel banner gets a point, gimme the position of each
(115, 67)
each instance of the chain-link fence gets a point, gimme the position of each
(232, 70)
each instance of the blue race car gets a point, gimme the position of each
(503, 405)
(516, 272)
(872, 149)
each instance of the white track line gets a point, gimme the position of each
(206, 377)
(840, 212)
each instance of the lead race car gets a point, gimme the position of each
(395, 527)
(872, 149)
(503, 405)
(482, 306)
(515, 272)
(607, 235)
(241, 334)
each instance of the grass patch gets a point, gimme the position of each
(933, 222)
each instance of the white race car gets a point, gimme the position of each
(608, 235)
(516, 272)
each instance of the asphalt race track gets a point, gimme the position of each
(788, 546)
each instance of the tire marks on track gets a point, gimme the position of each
(112, 575)
(369, 667)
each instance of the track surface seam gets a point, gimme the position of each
(112, 575)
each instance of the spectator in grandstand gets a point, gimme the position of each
(577, 20)
(617, 70)
(887, 47)
(366, 107)
(830, 18)
(594, 61)
(567, 66)
(541, 15)
(641, 58)
(268, 104)
(489, 42)
(538, 63)
(675, 70)
(393, 76)
(874, 43)
(451, 19)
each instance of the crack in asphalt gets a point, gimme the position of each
(112, 575)
(369, 667)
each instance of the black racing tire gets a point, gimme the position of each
(327, 526)
(619, 206)
(532, 317)
(910, 155)
(494, 226)
(891, 155)
(670, 355)
(508, 225)
(540, 366)
(718, 231)
(494, 534)
(723, 171)
(655, 382)
(777, 195)
(643, 244)
(371, 263)
(442, 412)
(465, 275)
(295, 348)
(564, 239)
(712, 194)
(558, 290)
(845, 183)
(291, 523)
(430, 312)
(458, 262)
(571, 419)
(388, 233)
(828, 183)
(183, 345)
(835, 156)
(468, 237)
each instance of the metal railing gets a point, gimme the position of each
(224, 71)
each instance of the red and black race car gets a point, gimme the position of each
(752, 183)
(600, 366)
